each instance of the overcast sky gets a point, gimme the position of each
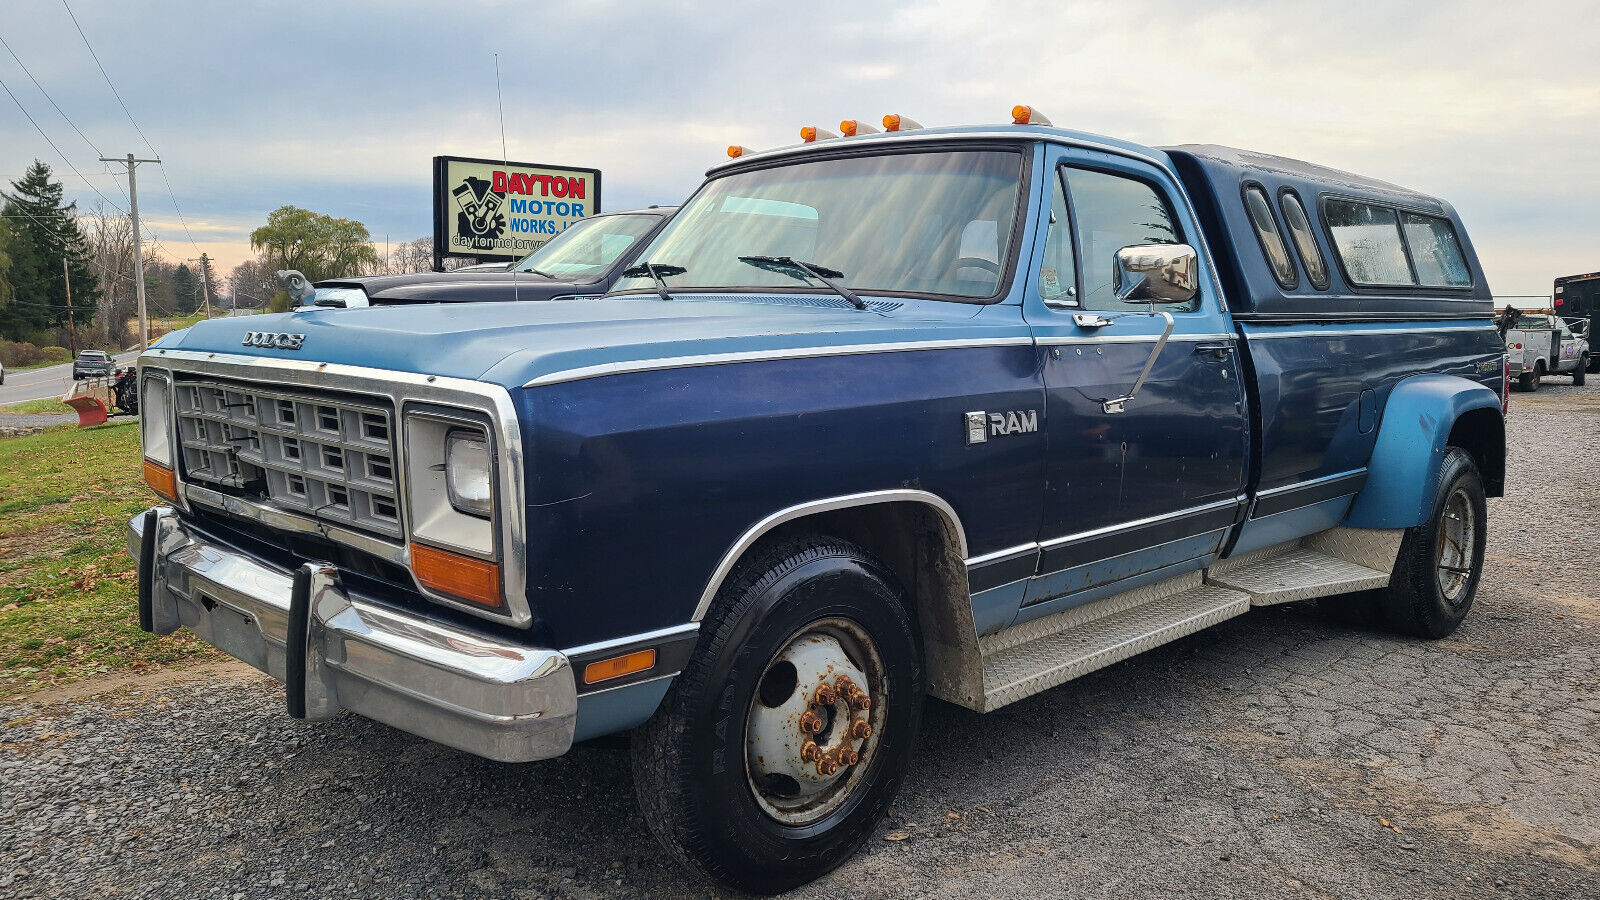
(340, 106)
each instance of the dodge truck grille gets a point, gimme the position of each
(330, 458)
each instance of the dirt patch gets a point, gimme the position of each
(111, 688)
(1410, 807)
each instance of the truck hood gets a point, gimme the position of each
(513, 343)
(456, 287)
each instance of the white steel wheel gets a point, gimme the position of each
(814, 722)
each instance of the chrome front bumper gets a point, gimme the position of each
(480, 694)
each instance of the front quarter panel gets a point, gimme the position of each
(1403, 474)
(640, 482)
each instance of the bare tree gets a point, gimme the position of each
(412, 256)
(251, 284)
(110, 236)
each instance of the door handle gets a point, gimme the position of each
(1218, 349)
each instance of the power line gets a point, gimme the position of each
(55, 148)
(53, 103)
(153, 151)
(103, 74)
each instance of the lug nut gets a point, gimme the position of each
(850, 757)
(826, 695)
(844, 684)
(827, 766)
(860, 729)
(810, 751)
(810, 722)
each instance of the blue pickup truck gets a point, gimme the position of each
(962, 413)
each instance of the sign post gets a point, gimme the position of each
(492, 210)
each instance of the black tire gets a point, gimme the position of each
(689, 761)
(1578, 374)
(1415, 603)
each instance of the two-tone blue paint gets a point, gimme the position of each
(657, 433)
(1403, 477)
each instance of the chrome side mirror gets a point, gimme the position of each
(1156, 273)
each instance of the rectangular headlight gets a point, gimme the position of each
(467, 477)
(450, 482)
(155, 419)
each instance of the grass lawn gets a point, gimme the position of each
(68, 599)
(47, 405)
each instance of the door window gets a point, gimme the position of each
(1111, 212)
(1058, 273)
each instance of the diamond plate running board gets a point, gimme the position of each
(1021, 671)
(1300, 574)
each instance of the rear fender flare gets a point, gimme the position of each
(1403, 474)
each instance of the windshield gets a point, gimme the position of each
(932, 223)
(588, 247)
(93, 355)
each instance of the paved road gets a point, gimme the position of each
(1276, 755)
(51, 381)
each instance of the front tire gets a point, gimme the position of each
(1579, 375)
(722, 781)
(1440, 563)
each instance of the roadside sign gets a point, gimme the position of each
(492, 210)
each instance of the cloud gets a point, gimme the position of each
(340, 107)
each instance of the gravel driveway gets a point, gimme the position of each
(1276, 755)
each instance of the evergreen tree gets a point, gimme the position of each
(44, 231)
(185, 289)
(6, 240)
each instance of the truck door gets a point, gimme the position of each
(1566, 347)
(1158, 484)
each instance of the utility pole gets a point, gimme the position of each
(72, 330)
(138, 257)
(205, 282)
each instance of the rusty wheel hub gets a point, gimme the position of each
(811, 728)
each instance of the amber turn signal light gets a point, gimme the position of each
(1027, 115)
(161, 480)
(853, 127)
(810, 133)
(618, 666)
(458, 576)
(735, 151)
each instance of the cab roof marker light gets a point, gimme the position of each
(853, 127)
(737, 150)
(811, 134)
(897, 122)
(1028, 115)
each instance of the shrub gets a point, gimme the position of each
(55, 354)
(19, 353)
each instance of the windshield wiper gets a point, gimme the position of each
(657, 272)
(537, 272)
(820, 273)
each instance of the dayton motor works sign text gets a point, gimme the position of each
(490, 209)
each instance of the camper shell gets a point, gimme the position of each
(1217, 179)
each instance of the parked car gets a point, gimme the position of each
(966, 412)
(1541, 344)
(2, 373)
(583, 260)
(91, 364)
